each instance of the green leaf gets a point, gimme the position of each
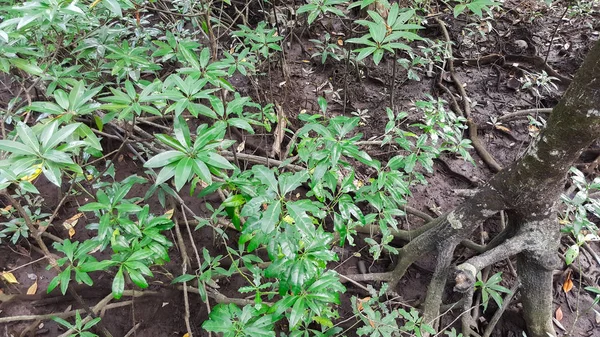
(241, 124)
(270, 217)
(265, 176)
(113, 6)
(170, 141)
(182, 172)
(458, 9)
(65, 277)
(183, 278)
(27, 66)
(118, 285)
(297, 312)
(289, 182)
(16, 148)
(215, 160)
(60, 136)
(28, 137)
(137, 278)
(571, 254)
(164, 159)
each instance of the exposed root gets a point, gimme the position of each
(466, 111)
(437, 284)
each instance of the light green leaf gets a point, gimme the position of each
(164, 159)
(113, 6)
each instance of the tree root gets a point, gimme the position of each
(466, 113)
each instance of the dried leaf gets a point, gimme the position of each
(72, 221)
(10, 278)
(33, 288)
(279, 132)
(71, 232)
(241, 147)
(340, 42)
(568, 284)
(559, 314)
(186, 335)
(169, 213)
(502, 128)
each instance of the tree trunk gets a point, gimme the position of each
(528, 190)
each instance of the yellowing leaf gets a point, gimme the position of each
(94, 3)
(10, 278)
(72, 221)
(288, 219)
(169, 213)
(568, 284)
(186, 335)
(71, 232)
(33, 288)
(35, 174)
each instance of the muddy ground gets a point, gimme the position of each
(522, 28)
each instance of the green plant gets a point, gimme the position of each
(262, 40)
(189, 157)
(380, 321)
(477, 7)
(80, 327)
(578, 208)
(384, 34)
(327, 49)
(535, 82)
(46, 147)
(321, 7)
(491, 288)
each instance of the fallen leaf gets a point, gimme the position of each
(72, 221)
(559, 314)
(7, 208)
(10, 278)
(241, 147)
(568, 284)
(32, 289)
(597, 316)
(340, 42)
(169, 213)
(186, 335)
(502, 128)
(372, 323)
(71, 232)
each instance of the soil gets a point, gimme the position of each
(517, 30)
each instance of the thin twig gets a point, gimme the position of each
(184, 265)
(498, 313)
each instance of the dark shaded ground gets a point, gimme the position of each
(489, 89)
